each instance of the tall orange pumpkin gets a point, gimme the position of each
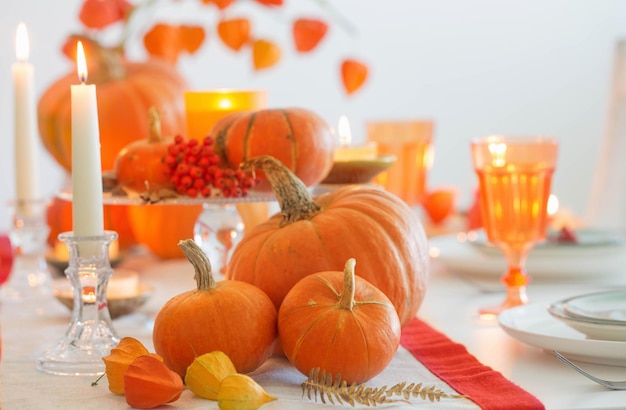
(316, 235)
(298, 138)
(126, 90)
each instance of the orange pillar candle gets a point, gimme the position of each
(204, 108)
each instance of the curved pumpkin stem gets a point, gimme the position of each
(346, 301)
(296, 203)
(155, 126)
(201, 264)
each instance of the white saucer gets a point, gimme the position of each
(533, 325)
(564, 263)
(606, 307)
(594, 329)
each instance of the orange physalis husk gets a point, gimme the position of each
(307, 33)
(353, 73)
(234, 33)
(205, 374)
(270, 3)
(265, 54)
(98, 14)
(221, 4)
(167, 41)
(116, 363)
(439, 204)
(148, 383)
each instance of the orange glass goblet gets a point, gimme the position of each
(515, 174)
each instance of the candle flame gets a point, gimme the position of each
(553, 204)
(225, 103)
(81, 62)
(345, 136)
(22, 48)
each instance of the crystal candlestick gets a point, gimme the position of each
(30, 277)
(90, 334)
(217, 231)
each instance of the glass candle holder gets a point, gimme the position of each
(217, 231)
(410, 142)
(29, 277)
(90, 335)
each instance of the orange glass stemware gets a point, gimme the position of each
(515, 175)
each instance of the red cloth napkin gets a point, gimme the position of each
(452, 363)
(6, 257)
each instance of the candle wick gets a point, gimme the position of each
(82, 78)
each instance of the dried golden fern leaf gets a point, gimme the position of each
(331, 390)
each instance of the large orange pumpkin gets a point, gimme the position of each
(298, 138)
(339, 323)
(315, 235)
(229, 316)
(126, 90)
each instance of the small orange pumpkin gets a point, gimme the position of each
(315, 235)
(339, 323)
(298, 138)
(230, 316)
(139, 165)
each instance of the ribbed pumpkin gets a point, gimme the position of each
(298, 138)
(126, 90)
(315, 235)
(229, 316)
(339, 323)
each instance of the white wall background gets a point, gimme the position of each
(475, 67)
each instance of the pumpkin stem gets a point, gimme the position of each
(155, 134)
(296, 203)
(201, 264)
(346, 301)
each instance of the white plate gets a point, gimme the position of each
(606, 307)
(593, 262)
(592, 328)
(533, 325)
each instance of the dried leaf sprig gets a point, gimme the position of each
(337, 391)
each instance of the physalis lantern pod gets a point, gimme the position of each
(148, 383)
(205, 374)
(117, 362)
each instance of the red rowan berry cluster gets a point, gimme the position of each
(195, 171)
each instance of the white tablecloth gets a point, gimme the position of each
(450, 306)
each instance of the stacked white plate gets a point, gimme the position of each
(600, 315)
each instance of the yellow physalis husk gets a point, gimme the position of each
(205, 374)
(241, 392)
